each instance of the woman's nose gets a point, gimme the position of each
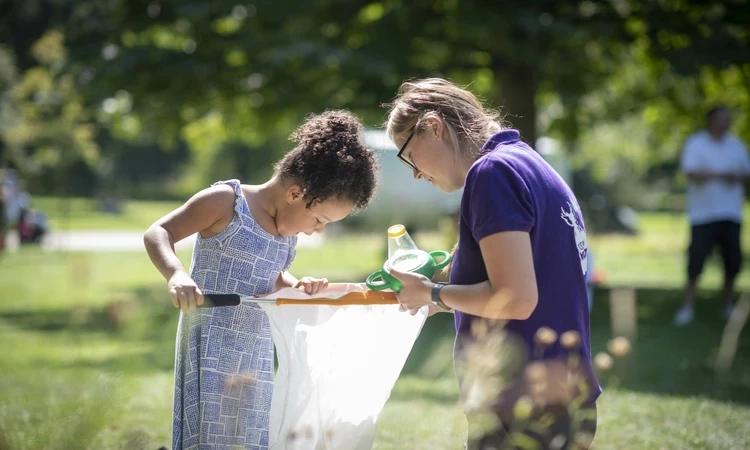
(417, 174)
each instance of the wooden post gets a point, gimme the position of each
(624, 322)
(731, 335)
(623, 316)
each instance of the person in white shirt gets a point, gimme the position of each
(716, 165)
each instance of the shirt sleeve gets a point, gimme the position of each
(498, 199)
(690, 160)
(745, 163)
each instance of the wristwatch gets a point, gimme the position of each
(436, 297)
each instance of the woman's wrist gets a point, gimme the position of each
(435, 296)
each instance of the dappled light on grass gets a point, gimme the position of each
(64, 412)
(58, 338)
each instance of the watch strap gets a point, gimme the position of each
(436, 296)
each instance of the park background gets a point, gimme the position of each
(112, 113)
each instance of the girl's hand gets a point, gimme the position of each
(416, 291)
(184, 292)
(311, 286)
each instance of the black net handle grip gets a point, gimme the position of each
(213, 300)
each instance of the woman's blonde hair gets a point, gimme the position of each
(467, 121)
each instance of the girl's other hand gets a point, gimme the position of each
(311, 286)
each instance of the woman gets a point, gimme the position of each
(518, 271)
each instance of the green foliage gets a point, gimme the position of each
(333, 54)
(621, 83)
(693, 35)
(53, 129)
(8, 112)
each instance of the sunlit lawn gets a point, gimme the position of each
(88, 347)
(83, 213)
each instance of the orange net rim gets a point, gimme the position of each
(350, 299)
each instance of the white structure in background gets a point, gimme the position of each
(401, 198)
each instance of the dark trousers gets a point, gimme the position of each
(704, 238)
(554, 427)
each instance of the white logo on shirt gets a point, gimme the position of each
(573, 218)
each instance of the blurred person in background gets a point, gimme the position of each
(31, 223)
(32, 227)
(716, 164)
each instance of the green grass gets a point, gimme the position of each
(657, 256)
(79, 372)
(84, 214)
(347, 258)
(88, 354)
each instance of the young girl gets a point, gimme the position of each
(247, 234)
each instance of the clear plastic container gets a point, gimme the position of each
(403, 253)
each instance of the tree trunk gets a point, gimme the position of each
(516, 99)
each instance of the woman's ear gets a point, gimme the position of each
(434, 126)
(294, 193)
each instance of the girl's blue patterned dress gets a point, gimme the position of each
(224, 356)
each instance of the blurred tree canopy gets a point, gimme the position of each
(216, 86)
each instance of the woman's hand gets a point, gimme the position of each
(416, 291)
(311, 286)
(184, 292)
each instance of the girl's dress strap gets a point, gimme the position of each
(240, 209)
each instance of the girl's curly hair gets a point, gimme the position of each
(331, 160)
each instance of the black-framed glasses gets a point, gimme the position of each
(403, 147)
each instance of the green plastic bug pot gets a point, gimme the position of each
(404, 255)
